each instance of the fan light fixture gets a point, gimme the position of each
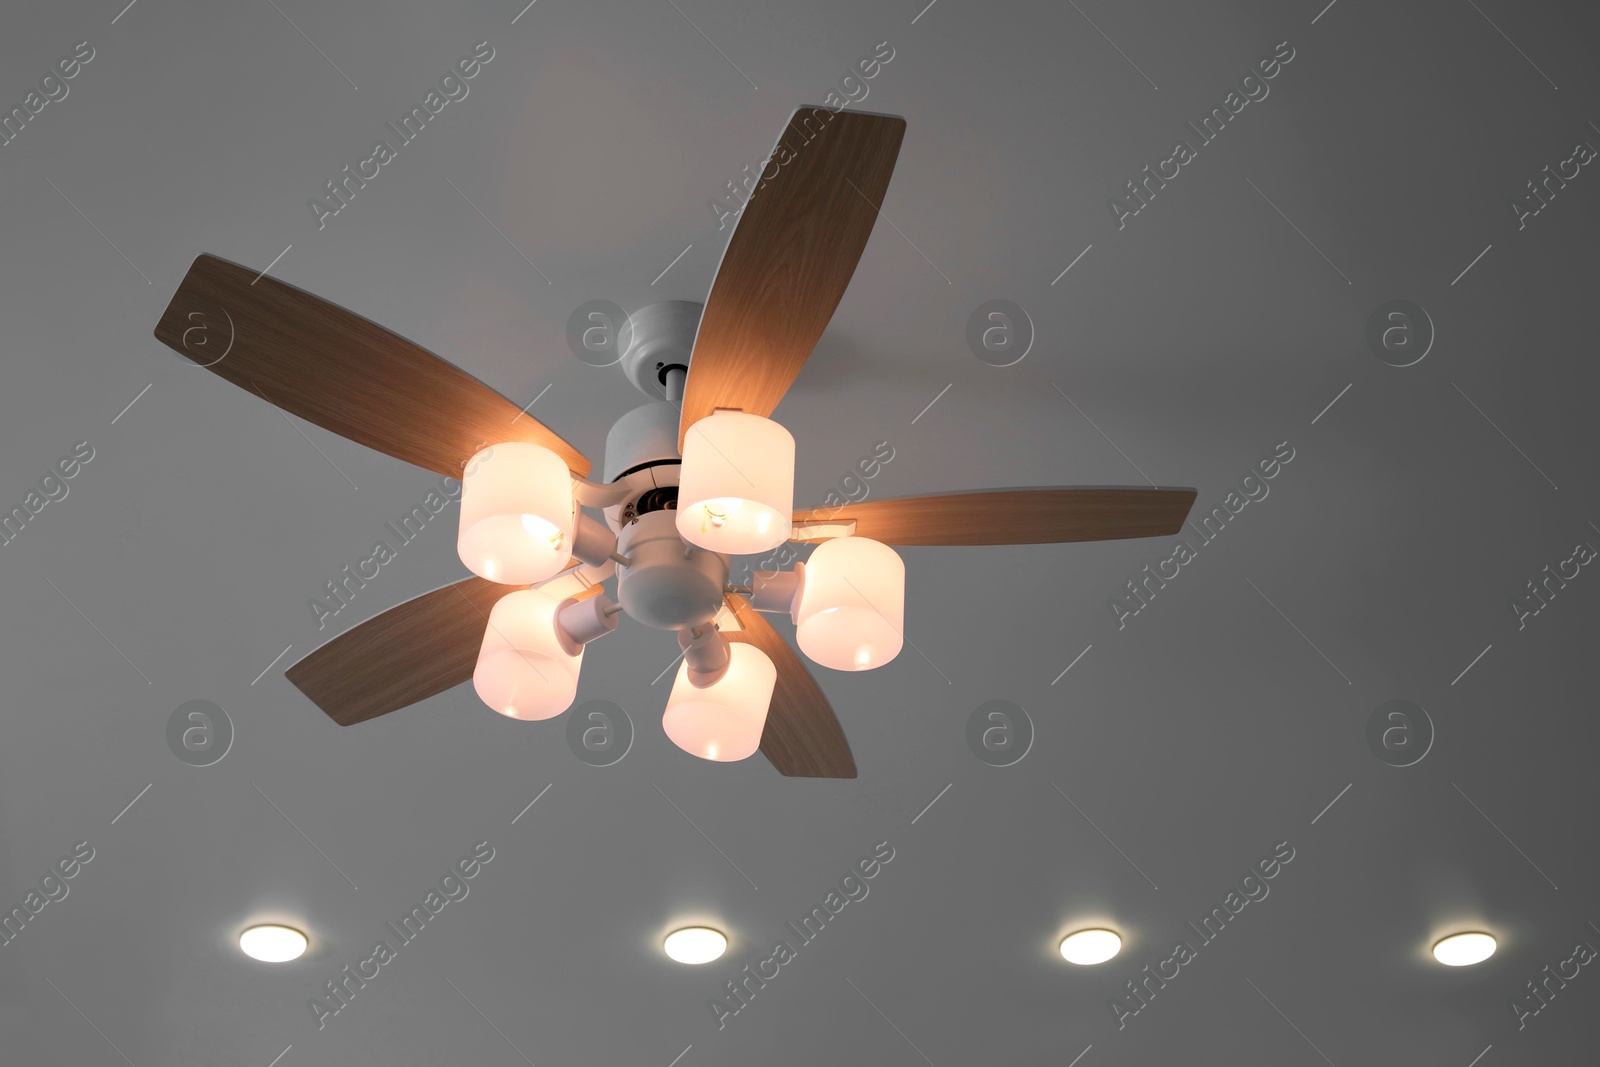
(736, 484)
(1463, 950)
(853, 604)
(273, 944)
(517, 514)
(523, 670)
(723, 721)
(695, 944)
(695, 477)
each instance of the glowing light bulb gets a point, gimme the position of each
(863, 656)
(541, 529)
(718, 512)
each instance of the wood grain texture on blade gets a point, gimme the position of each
(344, 373)
(1015, 516)
(407, 654)
(802, 737)
(790, 259)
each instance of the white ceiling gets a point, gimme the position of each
(1220, 721)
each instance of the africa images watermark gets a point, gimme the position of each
(1254, 88)
(1143, 990)
(851, 489)
(999, 732)
(599, 732)
(741, 990)
(52, 888)
(1541, 192)
(340, 591)
(199, 732)
(1527, 607)
(1183, 553)
(1399, 732)
(1541, 993)
(51, 488)
(66, 68)
(340, 190)
(341, 990)
(733, 202)
(1400, 333)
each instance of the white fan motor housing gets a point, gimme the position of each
(645, 435)
(667, 584)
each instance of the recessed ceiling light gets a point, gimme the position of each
(1090, 946)
(273, 944)
(1461, 950)
(695, 944)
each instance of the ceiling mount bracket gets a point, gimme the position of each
(657, 338)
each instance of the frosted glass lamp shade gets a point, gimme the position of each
(517, 514)
(853, 605)
(523, 672)
(736, 484)
(723, 721)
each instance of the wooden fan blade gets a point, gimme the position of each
(802, 738)
(407, 654)
(1006, 516)
(789, 259)
(346, 374)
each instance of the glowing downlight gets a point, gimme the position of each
(273, 944)
(695, 944)
(1088, 947)
(1463, 950)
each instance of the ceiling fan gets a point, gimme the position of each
(696, 476)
